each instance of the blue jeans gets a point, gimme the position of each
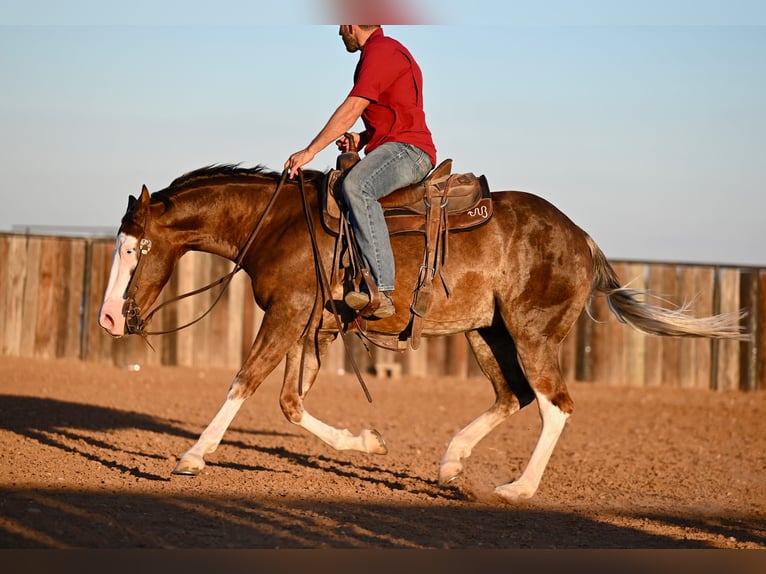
(385, 169)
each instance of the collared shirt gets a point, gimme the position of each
(389, 77)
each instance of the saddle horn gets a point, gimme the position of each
(348, 159)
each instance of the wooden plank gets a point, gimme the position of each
(584, 368)
(615, 332)
(335, 359)
(670, 353)
(653, 369)
(196, 336)
(69, 326)
(249, 321)
(204, 330)
(614, 338)
(237, 292)
(729, 351)
(635, 341)
(386, 364)
(4, 287)
(100, 346)
(436, 352)
(474, 369)
(167, 318)
(456, 347)
(219, 327)
(31, 297)
(760, 381)
(696, 288)
(185, 308)
(655, 345)
(43, 344)
(416, 362)
(18, 268)
(62, 295)
(601, 346)
(749, 299)
(568, 355)
(16, 274)
(359, 353)
(86, 286)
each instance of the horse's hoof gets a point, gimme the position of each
(450, 472)
(373, 442)
(514, 492)
(189, 466)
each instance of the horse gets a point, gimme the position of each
(517, 286)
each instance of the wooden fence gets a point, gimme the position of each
(51, 289)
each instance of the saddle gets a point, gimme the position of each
(440, 204)
(465, 197)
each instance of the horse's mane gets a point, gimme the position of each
(232, 171)
(220, 173)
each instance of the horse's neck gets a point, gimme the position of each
(231, 213)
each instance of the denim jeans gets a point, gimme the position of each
(385, 169)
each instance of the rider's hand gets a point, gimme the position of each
(296, 161)
(345, 142)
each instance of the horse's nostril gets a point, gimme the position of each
(107, 322)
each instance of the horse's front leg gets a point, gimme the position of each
(266, 353)
(368, 440)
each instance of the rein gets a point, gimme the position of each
(134, 323)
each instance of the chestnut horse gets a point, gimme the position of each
(517, 286)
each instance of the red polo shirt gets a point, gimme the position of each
(389, 77)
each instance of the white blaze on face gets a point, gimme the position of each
(124, 261)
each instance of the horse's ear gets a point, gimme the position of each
(142, 203)
(144, 195)
(136, 203)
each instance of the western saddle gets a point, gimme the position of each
(441, 204)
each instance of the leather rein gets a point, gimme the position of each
(135, 325)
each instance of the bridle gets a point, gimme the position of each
(134, 325)
(132, 312)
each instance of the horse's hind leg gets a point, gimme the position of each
(541, 366)
(291, 401)
(495, 352)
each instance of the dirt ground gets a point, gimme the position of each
(87, 452)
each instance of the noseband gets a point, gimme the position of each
(131, 311)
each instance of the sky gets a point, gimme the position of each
(644, 122)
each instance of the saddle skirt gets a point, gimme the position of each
(466, 198)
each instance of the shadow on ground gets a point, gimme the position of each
(92, 518)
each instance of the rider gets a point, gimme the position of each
(399, 150)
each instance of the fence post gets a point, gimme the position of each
(87, 286)
(749, 297)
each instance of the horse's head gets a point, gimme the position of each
(142, 263)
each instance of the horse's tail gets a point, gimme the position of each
(628, 307)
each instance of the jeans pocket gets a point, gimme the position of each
(421, 162)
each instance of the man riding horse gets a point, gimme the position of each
(399, 150)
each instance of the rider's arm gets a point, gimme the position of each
(339, 123)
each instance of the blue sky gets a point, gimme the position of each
(643, 122)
